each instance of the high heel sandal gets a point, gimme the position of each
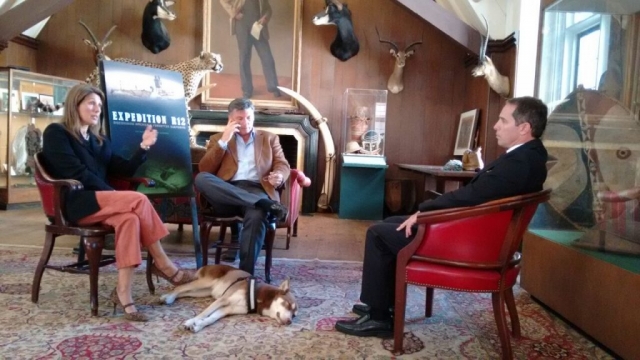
(187, 276)
(134, 316)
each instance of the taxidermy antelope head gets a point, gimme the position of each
(345, 45)
(498, 82)
(155, 36)
(395, 83)
(98, 46)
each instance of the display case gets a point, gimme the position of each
(28, 103)
(583, 248)
(365, 114)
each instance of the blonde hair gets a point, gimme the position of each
(71, 117)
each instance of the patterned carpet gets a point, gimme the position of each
(61, 327)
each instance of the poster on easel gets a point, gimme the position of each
(138, 96)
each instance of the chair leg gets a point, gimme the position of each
(223, 233)
(93, 247)
(513, 312)
(152, 288)
(288, 237)
(497, 300)
(428, 306)
(205, 231)
(269, 239)
(398, 317)
(49, 241)
(295, 228)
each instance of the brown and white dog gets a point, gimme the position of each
(231, 289)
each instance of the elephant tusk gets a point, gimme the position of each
(329, 172)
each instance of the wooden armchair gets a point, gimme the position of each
(290, 195)
(92, 238)
(470, 249)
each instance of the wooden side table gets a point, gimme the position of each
(441, 176)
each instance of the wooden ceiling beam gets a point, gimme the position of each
(446, 22)
(25, 15)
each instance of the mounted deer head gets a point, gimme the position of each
(498, 82)
(395, 83)
(155, 36)
(98, 46)
(345, 45)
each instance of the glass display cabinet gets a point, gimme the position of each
(28, 103)
(584, 244)
(365, 115)
(363, 162)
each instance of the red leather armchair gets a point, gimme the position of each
(92, 238)
(470, 249)
(290, 195)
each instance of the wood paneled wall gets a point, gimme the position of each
(421, 120)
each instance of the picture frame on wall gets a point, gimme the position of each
(225, 36)
(466, 132)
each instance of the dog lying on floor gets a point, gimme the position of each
(231, 289)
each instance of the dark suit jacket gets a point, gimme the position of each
(268, 155)
(86, 161)
(518, 172)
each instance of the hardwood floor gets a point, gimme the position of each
(320, 236)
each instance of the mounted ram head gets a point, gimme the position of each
(155, 36)
(345, 45)
(395, 83)
(498, 82)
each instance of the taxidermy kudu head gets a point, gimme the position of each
(498, 82)
(345, 45)
(98, 46)
(395, 83)
(155, 36)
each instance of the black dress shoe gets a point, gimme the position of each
(365, 326)
(361, 309)
(279, 211)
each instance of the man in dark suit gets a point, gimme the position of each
(239, 174)
(244, 15)
(521, 170)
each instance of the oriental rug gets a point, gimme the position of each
(60, 326)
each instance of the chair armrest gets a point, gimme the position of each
(291, 197)
(59, 201)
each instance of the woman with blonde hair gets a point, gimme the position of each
(76, 149)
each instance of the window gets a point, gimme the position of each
(575, 53)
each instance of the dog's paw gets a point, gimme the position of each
(192, 324)
(168, 298)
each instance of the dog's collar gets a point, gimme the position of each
(252, 301)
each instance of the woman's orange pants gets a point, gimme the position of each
(135, 221)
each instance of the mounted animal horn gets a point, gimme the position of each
(395, 83)
(498, 82)
(345, 45)
(98, 47)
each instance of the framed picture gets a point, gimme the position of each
(466, 131)
(46, 100)
(29, 101)
(251, 72)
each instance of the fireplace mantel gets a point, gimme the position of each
(207, 122)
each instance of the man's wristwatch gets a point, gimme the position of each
(144, 147)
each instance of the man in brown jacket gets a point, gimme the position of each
(239, 174)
